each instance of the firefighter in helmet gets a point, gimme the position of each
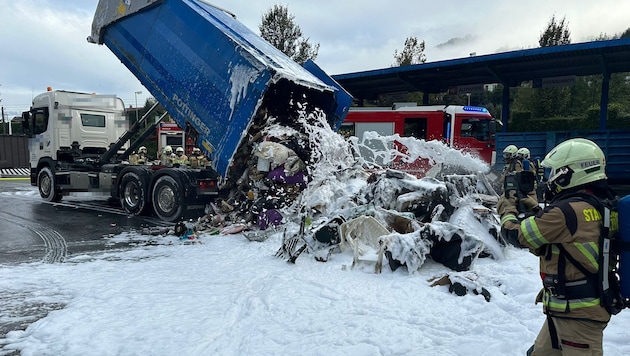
(180, 158)
(565, 236)
(142, 155)
(513, 157)
(197, 159)
(510, 156)
(523, 157)
(167, 156)
(525, 162)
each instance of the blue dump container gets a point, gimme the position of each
(624, 259)
(208, 70)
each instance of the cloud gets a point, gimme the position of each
(44, 41)
(50, 49)
(457, 41)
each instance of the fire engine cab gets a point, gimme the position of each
(467, 128)
(169, 134)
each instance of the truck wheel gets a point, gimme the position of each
(47, 186)
(133, 193)
(168, 199)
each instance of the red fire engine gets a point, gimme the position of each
(169, 134)
(467, 128)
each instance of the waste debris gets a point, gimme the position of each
(323, 195)
(298, 178)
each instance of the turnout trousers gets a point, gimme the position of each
(574, 337)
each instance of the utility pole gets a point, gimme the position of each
(2, 117)
(136, 94)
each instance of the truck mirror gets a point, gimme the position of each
(492, 126)
(26, 128)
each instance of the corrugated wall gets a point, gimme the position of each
(614, 143)
(13, 151)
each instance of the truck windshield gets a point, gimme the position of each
(476, 128)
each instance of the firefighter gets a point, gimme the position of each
(142, 155)
(197, 159)
(514, 163)
(167, 156)
(523, 156)
(563, 235)
(510, 156)
(180, 158)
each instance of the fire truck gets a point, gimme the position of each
(467, 128)
(170, 134)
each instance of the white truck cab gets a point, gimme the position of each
(79, 142)
(63, 123)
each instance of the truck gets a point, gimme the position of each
(216, 79)
(79, 142)
(468, 128)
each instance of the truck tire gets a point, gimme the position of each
(168, 199)
(47, 185)
(133, 193)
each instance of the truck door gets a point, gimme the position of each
(473, 134)
(39, 137)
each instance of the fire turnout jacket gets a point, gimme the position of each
(575, 225)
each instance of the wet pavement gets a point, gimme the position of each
(34, 230)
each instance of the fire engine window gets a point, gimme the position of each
(475, 128)
(346, 130)
(416, 127)
(175, 140)
(93, 120)
(40, 118)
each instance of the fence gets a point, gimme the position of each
(13, 151)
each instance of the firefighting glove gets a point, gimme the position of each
(507, 204)
(530, 204)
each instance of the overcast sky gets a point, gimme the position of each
(43, 42)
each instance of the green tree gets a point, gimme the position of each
(413, 53)
(625, 34)
(556, 33)
(279, 28)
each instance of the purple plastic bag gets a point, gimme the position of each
(280, 176)
(269, 217)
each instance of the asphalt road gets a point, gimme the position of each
(35, 230)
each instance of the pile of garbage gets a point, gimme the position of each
(300, 179)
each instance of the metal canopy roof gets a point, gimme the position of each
(508, 68)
